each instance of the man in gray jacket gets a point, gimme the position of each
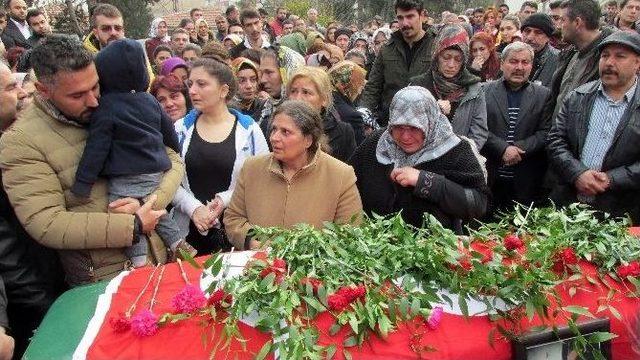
(593, 144)
(537, 30)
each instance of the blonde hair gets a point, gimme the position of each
(319, 78)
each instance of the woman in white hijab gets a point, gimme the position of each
(158, 35)
(417, 165)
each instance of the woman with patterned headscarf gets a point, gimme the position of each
(419, 166)
(458, 92)
(246, 99)
(204, 33)
(157, 36)
(348, 80)
(277, 65)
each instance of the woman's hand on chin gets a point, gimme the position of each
(405, 176)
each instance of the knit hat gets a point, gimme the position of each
(539, 21)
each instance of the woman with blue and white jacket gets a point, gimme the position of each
(215, 143)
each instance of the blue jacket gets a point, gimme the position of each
(129, 130)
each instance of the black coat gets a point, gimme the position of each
(12, 37)
(451, 187)
(530, 136)
(339, 136)
(621, 163)
(348, 113)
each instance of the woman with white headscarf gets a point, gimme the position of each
(417, 165)
(158, 35)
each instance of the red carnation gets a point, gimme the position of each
(565, 258)
(120, 324)
(633, 269)
(337, 302)
(513, 242)
(220, 298)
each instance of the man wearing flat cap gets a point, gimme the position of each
(537, 30)
(593, 144)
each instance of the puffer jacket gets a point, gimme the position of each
(39, 156)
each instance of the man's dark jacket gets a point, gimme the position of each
(544, 65)
(530, 136)
(12, 37)
(392, 70)
(621, 163)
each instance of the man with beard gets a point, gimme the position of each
(107, 26)
(593, 143)
(516, 160)
(222, 27)
(39, 24)
(252, 25)
(39, 155)
(555, 12)
(276, 24)
(17, 31)
(537, 29)
(407, 54)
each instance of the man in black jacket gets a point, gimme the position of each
(516, 160)
(31, 273)
(252, 25)
(537, 30)
(593, 144)
(17, 31)
(405, 55)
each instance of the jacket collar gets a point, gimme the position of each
(276, 167)
(52, 111)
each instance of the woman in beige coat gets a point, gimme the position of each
(296, 183)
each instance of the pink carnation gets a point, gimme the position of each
(189, 299)
(144, 323)
(120, 324)
(435, 317)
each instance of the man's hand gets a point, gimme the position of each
(405, 176)
(7, 344)
(512, 155)
(592, 183)
(445, 106)
(149, 217)
(125, 206)
(203, 218)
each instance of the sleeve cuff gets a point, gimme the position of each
(81, 189)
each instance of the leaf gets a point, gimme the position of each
(331, 351)
(333, 330)
(268, 280)
(572, 291)
(314, 303)
(615, 312)
(322, 295)
(266, 348)
(578, 310)
(415, 306)
(188, 258)
(350, 341)
(347, 354)
(462, 302)
(598, 337)
(353, 322)
(530, 309)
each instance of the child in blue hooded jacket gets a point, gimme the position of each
(127, 138)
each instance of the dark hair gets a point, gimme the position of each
(614, 2)
(407, 5)
(504, 5)
(160, 48)
(393, 21)
(194, 10)
(219, 70)
(230, 9)
(263, 12)
(623, 3)
(7, 4)
(173, 84)
(478, 10)
(587, 10)
(529, 4)
(56, 53)
(184, 22)
(307, 119)
(252, 54)
(556, 4)
(248, 14)
(3, 13)
(106, 10)
(33, 12)
(287, 22)
(193, 47)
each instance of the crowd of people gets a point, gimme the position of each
(117, 153)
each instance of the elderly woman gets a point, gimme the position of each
(215, 142)
(417, 165)
(380, 37)
(348, 80)
(246, 99)
(313, 86)
(484, 61)
(157, 36)
(277, 189)
(459, 93)
(204, 33)
(173, 96)
(230, 41)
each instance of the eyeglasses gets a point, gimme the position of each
(109, 28)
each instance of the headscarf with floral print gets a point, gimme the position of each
(348, 78)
